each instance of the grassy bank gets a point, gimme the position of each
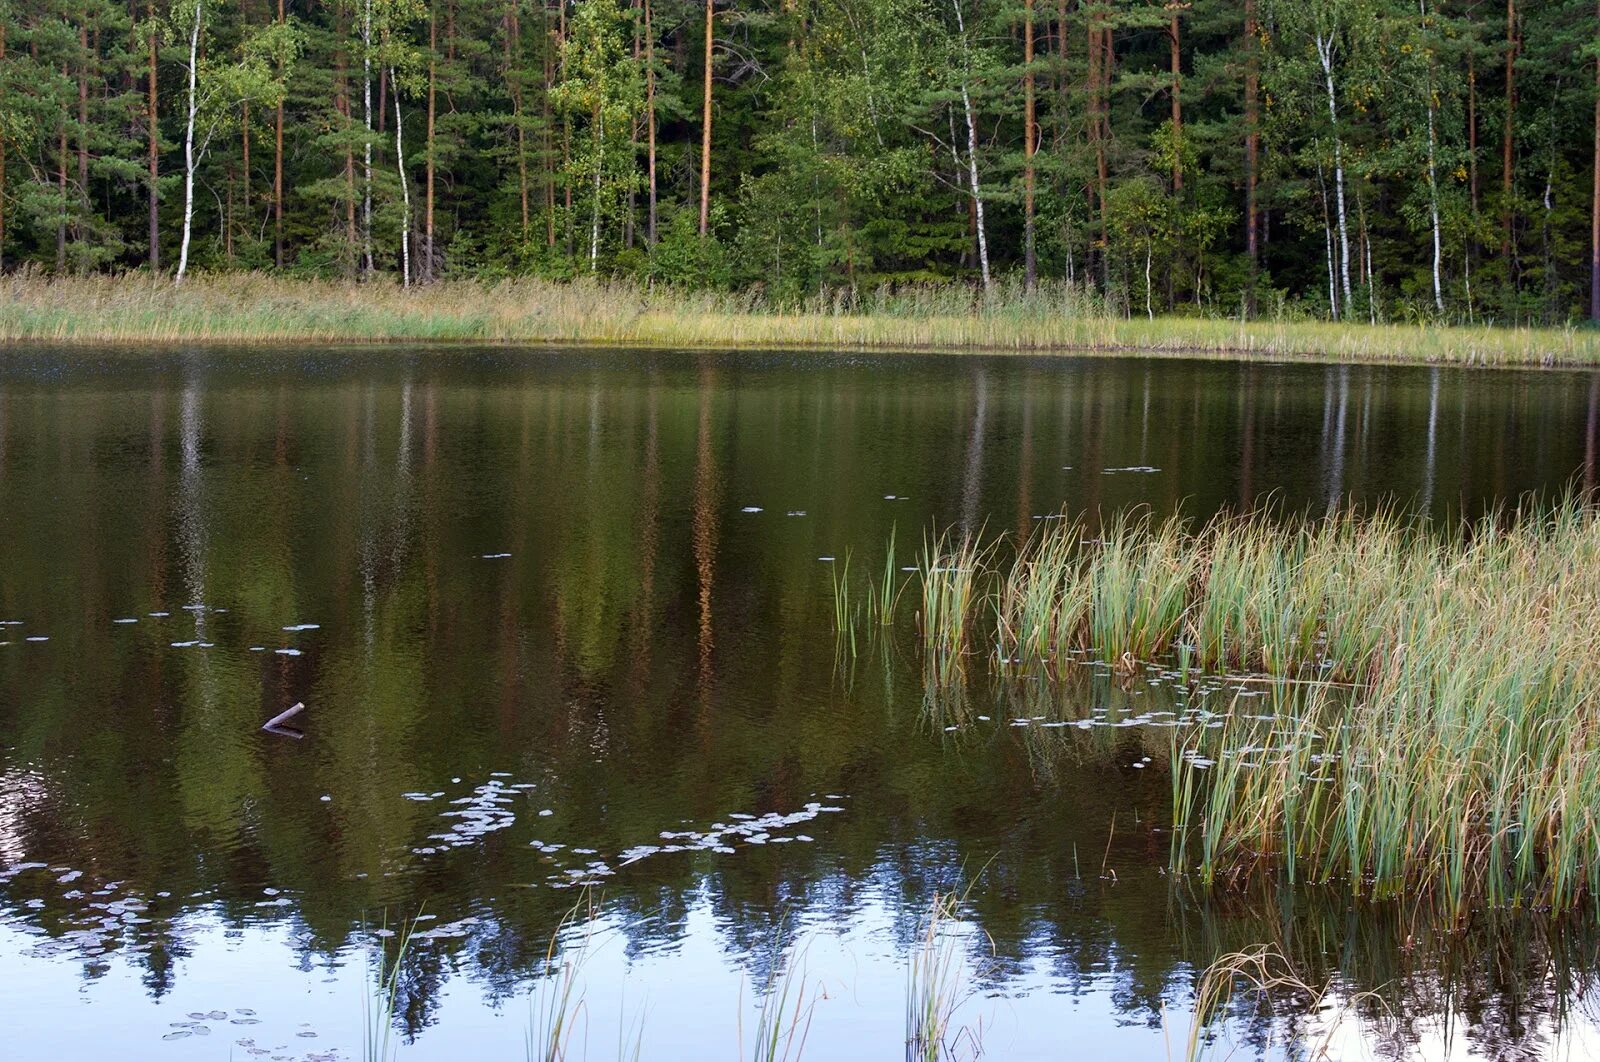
(255, 309)
(1432, 723)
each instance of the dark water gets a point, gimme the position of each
(564, 617)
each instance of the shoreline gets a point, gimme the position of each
(257, 310)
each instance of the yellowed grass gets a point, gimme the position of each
(253, 309)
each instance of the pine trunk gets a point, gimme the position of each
(650, 118)
(1508, 142)
(277, 172)
(705, 126)
(1594, 205)
(1031, 141)
(426, 272)
(1252, 148)
(1175, 41)
(153, 146)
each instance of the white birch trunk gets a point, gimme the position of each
(599, 166)
(972, 150)
(1325, 54)
(405, 187)
(188, 141)
(1433, 182)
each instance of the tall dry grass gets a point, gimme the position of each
(260, 309)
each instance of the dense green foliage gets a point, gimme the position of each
(1360, 159)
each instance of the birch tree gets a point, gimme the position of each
(216, 89)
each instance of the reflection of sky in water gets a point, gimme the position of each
(688, 991)
(561, 621)
(688, 995)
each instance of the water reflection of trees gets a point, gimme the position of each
(649, 654)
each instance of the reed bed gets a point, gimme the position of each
(244, 309)
(1432, 721)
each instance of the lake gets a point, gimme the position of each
(562, 625)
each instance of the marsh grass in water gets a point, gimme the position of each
(1428, 720)
(1261, 975)
(258, 309)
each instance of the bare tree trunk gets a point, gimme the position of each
(3, 104)
(1327, 241)
(1508, 167)
(61, 188)
(547, 163)
(650, 117)
(1594, 208)
(1433, 178)
(1252, 148)
(341, 102)
(85, 55)
(188, 142)
(153, 149)
(1175, 40)
(705, 127)
(1031, 135)
(1325, 54)
(277, 172)
(972, 149)
(599, 169)
(514, 79)
(426, 273)
(405, 187)
(366, 146)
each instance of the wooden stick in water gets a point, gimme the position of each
(284, 716)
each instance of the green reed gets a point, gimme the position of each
(1431, 712)
(1463, 761)
(378, 1011)
(936, 986)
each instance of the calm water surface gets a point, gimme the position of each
(564, 620)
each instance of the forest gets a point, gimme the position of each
(1352, 160)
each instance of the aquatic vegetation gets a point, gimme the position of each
(1464, 763)
(243, 308)
(557, 1004)
(378, 1011)
(1431, 712)
(936, 987)
(785, 1012)
(1264, 975)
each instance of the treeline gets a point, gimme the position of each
(1356, 159)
